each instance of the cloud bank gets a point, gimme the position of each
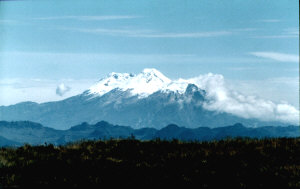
(62, 89)
(220, 98)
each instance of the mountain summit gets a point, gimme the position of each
(146, 83)
(143, 84)
(150, 99)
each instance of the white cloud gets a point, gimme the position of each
(294, 81)
(269, 20)
(281, 57)
(284, 33)
(149, 33)
(7, 21)
(15, 90)
(292, 31)
(278, 89)
(186, 35)
(222, 99)
(62, 89)
(90, 18)
(276, 36)
(245, 29)
(240, 68)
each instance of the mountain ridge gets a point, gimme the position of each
(21, 132)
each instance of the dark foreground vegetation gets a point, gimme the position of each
(231, 163)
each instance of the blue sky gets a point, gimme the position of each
(254, 44)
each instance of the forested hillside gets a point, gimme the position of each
(230, 163)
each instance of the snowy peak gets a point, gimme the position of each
(143, 84)
(151, 73)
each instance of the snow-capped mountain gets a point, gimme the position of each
(150, 99)
(143, 84)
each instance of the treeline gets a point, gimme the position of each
(230, 163)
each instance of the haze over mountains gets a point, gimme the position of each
(152, 100)
(21, 132)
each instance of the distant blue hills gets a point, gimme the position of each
(20, 132)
